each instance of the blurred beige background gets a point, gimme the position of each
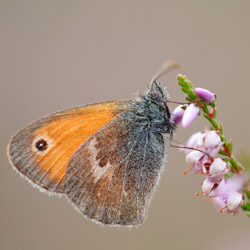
(57, 54)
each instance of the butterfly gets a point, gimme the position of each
(106, 158)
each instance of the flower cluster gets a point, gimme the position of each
(209, 153)
(225, 193)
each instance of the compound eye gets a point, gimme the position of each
(156, 96)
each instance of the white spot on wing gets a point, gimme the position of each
(97, 171)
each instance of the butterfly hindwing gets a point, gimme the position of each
(112, 177)
(42, 150)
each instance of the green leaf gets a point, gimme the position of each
(234, 163)
(181, 80)
(193, 93)
(205, 109)
(189, 84)
(215, 112)
(223, 153)
(230, 147)
(214, 123)
(185, 90)
(207, 117)
(182, 84)
(220, 127)
(190, 99)
(247, 192)
(223, 139)
(246, 206)
(228, 175)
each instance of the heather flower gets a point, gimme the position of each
(234, 202)
(193, 157)
(195, 160)
(217, 169)
(228, 196)
(211, 142)
(177, 114)
(205, 95)
(189, 115)
(208, 186)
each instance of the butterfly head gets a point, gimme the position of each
(154, 109)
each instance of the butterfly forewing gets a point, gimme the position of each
(112, 177)
(42, 150)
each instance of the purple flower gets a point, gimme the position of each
(190, 114)
(205, 95)
(177, 114)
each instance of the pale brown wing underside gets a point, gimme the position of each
(113, 175)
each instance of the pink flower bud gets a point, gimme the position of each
(177, 114)
(205, 95)
(190, 114)
(217, 169)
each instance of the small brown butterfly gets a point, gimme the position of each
(106, 158)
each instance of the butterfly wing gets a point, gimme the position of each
(42, 150)
(112, 176)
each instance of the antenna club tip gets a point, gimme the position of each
(167, 66)
(172, 64)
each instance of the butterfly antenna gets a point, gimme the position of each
(166, 67)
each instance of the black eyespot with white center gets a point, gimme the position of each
(41, 145)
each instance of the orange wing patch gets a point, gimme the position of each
(42, 150)
(65, 138)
